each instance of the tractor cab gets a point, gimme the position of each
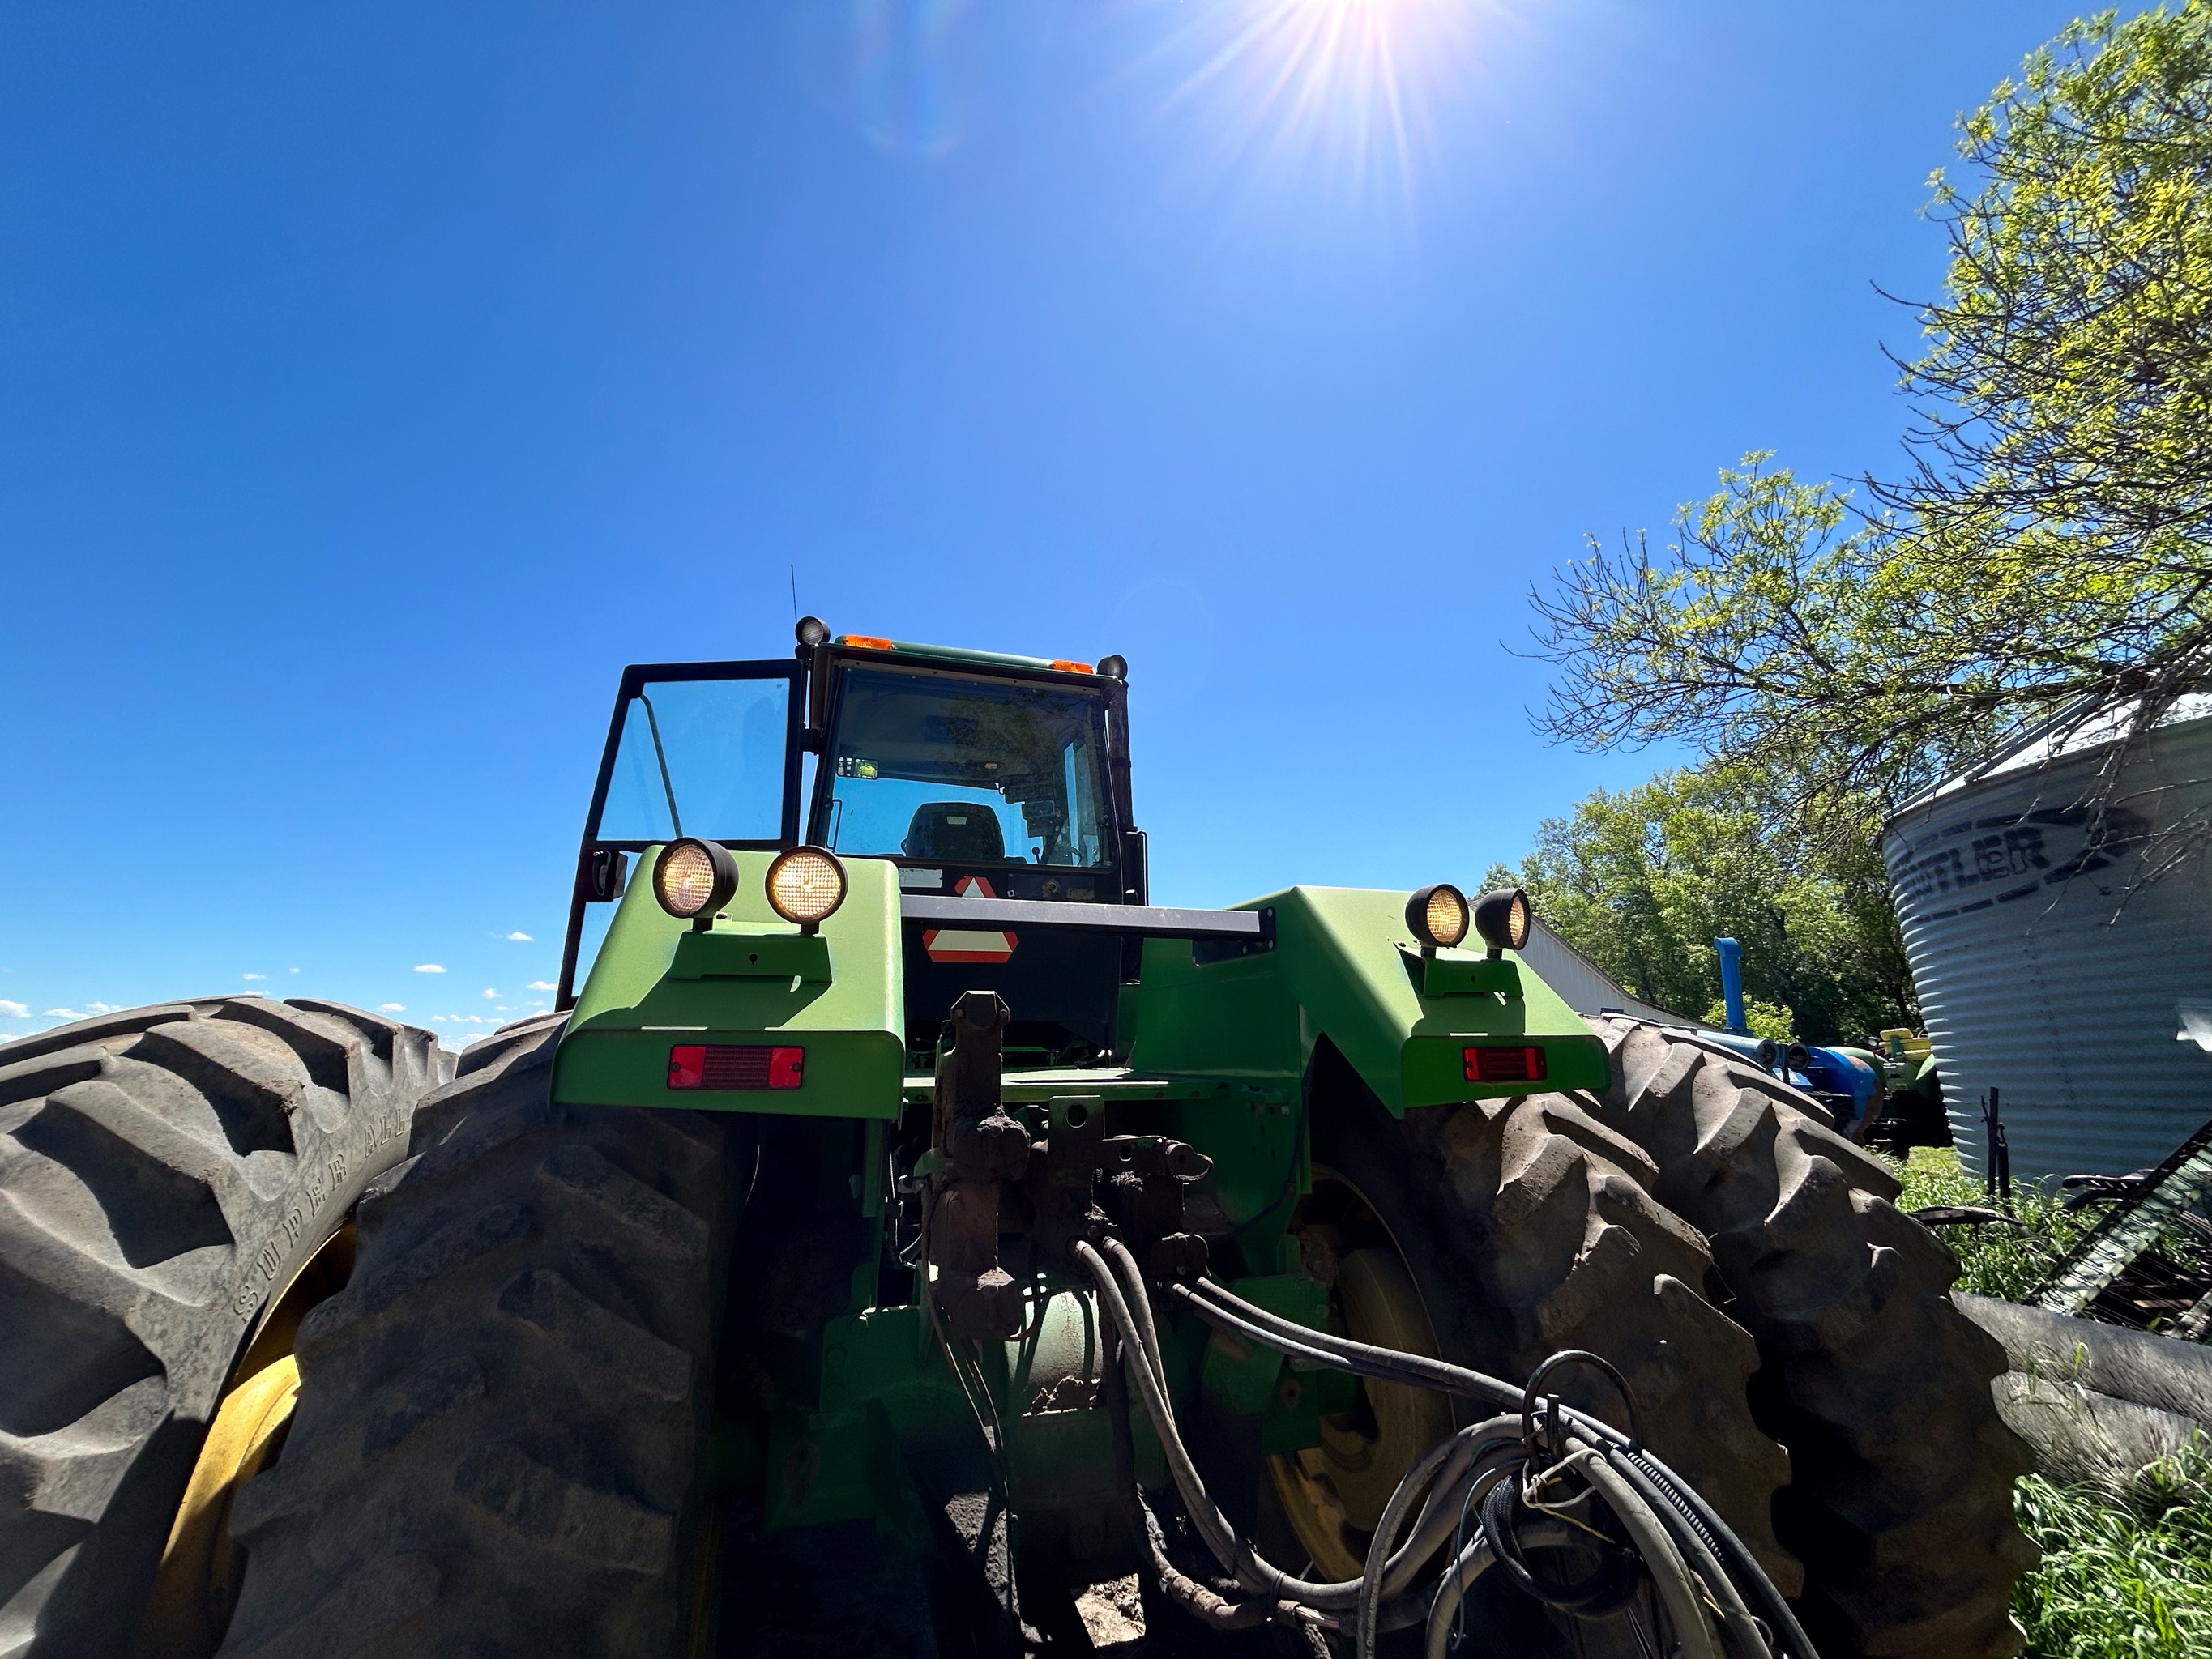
(978, 775)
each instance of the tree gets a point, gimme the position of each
(2049, 553)
(1642, 880)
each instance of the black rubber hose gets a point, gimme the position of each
(1237, 1557)
(1395, 1516)
(1211, 1302)
(1218, 1305)
(1735, 1559)
(1736, 1622)
(1216, 1612)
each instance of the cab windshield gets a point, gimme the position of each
(939, 768)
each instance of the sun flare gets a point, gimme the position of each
(1348, 85)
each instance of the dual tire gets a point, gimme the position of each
(501, 1414)
(167, 1178)
(1786, 1333)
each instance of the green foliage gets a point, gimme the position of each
(2005, 1262)
(1761, 1019)
(2052, 549)
(2126, 1570)
(2076, 333)
(1642, 880)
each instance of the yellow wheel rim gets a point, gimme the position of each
(197, 1580)
(195, 1587)
(1333, 1494)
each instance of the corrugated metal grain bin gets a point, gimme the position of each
(2040, 974)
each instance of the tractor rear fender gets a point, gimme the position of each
(752, 983)
(1345, 965)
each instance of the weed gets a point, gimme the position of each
(2127, 1569)
(1994, 1259)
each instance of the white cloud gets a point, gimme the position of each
(467, 1019)
(540, 984)
(64, 1013)
(13, 1010)
(392, 1007)
(253, 976)
(489, 992)
(291, 970)
(501, 1008)
(100, 1008)
(429, 967)
(524, 937)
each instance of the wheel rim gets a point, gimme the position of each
(196, 1586)
(1333, 1494)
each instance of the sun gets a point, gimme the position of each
(1345, 85)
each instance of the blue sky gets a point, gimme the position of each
(374, 382)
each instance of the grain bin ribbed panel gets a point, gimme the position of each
(2040, 974)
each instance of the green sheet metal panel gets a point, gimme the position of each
(1344, 966)
(753, 978)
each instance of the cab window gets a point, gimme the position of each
(939, 768)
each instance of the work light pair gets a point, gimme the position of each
(694, 878)
(1440, 917)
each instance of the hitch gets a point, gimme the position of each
(979, 1148)
(1078, 1184)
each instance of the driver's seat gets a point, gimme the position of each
(957, 831)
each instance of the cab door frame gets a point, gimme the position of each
(602, 865)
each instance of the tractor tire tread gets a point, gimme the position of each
(1531, 1228)
(511, 1389)
(139, 1242)
(1900, 1498)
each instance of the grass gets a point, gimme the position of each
(2127, 1569)
(2004, 1262)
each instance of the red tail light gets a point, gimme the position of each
(1497, 1063)
(735, 1066)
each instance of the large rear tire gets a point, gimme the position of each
(1525, 1227)
(500, 1417)
(1900, 1498)
(165, 1173)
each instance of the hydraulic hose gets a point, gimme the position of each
(1237, 1557)
(1140, 1308)
(1682, 1543)
(1213, 1302)
(1219, 1306)
(1677, 1593)
(1417, 1480)
(1469, 1565)
(1742, 1630)
(1216, 1612)
(1469, 1458)
(1740, 1565)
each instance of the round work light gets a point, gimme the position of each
(806, 885)
(1503, 918)
(1114, 666)
(811, 631)
(694, 878)
(1437, 915)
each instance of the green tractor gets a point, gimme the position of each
(907, 1228)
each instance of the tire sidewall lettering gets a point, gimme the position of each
(330, 1181)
